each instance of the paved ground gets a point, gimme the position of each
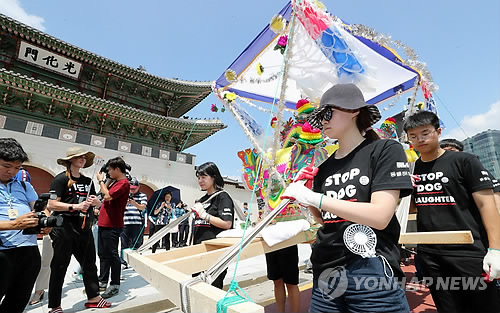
(136, 291)
(251, 275)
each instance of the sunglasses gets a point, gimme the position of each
(326, 114)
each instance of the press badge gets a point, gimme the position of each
(13, 214)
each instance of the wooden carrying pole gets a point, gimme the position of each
(166, 271)
(437, 237)
(203, 297)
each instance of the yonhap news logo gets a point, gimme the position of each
(333, 282)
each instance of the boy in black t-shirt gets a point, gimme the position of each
(455, 145)
(454, 193)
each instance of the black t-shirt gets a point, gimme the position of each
(220, 206)
(82, 188)
(444, 201)
(370, 167)
(495, 182)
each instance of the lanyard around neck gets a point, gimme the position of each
(9, 193)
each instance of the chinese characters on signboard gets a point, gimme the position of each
(49, 60)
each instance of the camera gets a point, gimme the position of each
(128, 168)
(43, 220)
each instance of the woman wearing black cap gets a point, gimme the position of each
(355, 194)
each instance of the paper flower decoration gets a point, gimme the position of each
(281, 45)
(214, 108)
(310, 135)
(389, 126)
(304, 106)
(260, 69)
(389, 122)
(277, 24)
(283, 40)
(230, 75)
(229, 97)
(319, 5)
(273, 121)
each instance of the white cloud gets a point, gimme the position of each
(13, 9)
(473, 124)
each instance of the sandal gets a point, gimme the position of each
(100, 304)
(37, 297)
(56, 310)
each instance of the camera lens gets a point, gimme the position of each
(51, 221)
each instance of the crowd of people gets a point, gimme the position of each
(360, 184)
(92, 225)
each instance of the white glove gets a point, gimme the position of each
(491, 264)
(301, 194)
(199, 210)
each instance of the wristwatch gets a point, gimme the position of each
(70, 208)
(101, 181)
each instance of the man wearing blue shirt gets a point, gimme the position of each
(19, 254)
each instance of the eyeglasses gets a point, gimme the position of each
(424, 136)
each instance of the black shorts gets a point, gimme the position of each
(284, 264)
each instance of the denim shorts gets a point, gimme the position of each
(366, 285)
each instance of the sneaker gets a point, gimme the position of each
(102, 286)
(111, 291)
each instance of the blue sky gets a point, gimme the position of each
(198, 40)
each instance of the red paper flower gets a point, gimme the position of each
(273, 121)
(283, 40)
(301, 102)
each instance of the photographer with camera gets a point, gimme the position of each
(132, 228)
(75, 201)
(19, 255)
(111, 223)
